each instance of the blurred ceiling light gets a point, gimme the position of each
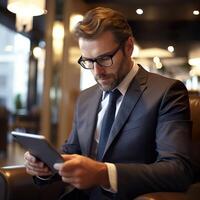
(25, 10)
(139, 11)
(74, 19)
(159, 65)
(152, 52)
(8, 48)
(170, 49)
(37, 52)
(195, 12)
(156, 59)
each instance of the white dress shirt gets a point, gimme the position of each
(122, 87)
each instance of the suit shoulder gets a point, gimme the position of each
(89, 90)
(162, 81)
(87, 93)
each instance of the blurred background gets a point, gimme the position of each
(39, 75)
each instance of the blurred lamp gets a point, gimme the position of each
(37, 51)
(58, 40)
(170, 49)
(25, 10)
(194, 56)
(139, 11)
(194, 61)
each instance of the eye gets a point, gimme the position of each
(86, 60)
(102, 59)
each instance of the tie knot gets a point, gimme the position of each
(114, 95)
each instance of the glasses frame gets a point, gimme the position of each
(111, 55)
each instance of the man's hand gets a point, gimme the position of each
(35, 167)
(83, 172)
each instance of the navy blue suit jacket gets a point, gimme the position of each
(149, 142)
(150, 138)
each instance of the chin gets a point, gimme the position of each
(106, 88)
(107, 85)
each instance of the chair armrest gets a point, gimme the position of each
(193, 193)
(163, 196)
(15, 183)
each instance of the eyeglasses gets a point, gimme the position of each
(103, 61)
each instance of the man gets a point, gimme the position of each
(147, 147)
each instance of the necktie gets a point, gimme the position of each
(107, 122)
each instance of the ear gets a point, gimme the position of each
(129, 46)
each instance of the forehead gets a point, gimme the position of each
(92, 48)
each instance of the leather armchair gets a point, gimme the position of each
(193, 193)
(16, 184)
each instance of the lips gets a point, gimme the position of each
(102, 77)
(106, 81)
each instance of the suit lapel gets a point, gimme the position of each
(86, 139)
(135, 90)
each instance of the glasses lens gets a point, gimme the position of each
(87, 64)
(105, 61)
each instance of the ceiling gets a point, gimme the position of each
(163, 23)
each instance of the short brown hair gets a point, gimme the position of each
(99, 20)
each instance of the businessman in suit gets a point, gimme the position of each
(146, 147)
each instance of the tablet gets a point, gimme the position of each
(39, 147)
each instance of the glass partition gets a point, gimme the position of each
(14, 66)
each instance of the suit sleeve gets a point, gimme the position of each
(172, 169)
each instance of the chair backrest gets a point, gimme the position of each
(195, 115)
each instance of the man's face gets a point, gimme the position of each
(107, 77)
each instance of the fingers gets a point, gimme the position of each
(68, 167)
(69, 156)
(29, 157)
(35, 167)
(31, 161)
(38, 172)
(73, 170)
(63, 169)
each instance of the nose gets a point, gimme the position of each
(97, 68)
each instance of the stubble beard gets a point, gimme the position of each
(115, 79)
(112, 83)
